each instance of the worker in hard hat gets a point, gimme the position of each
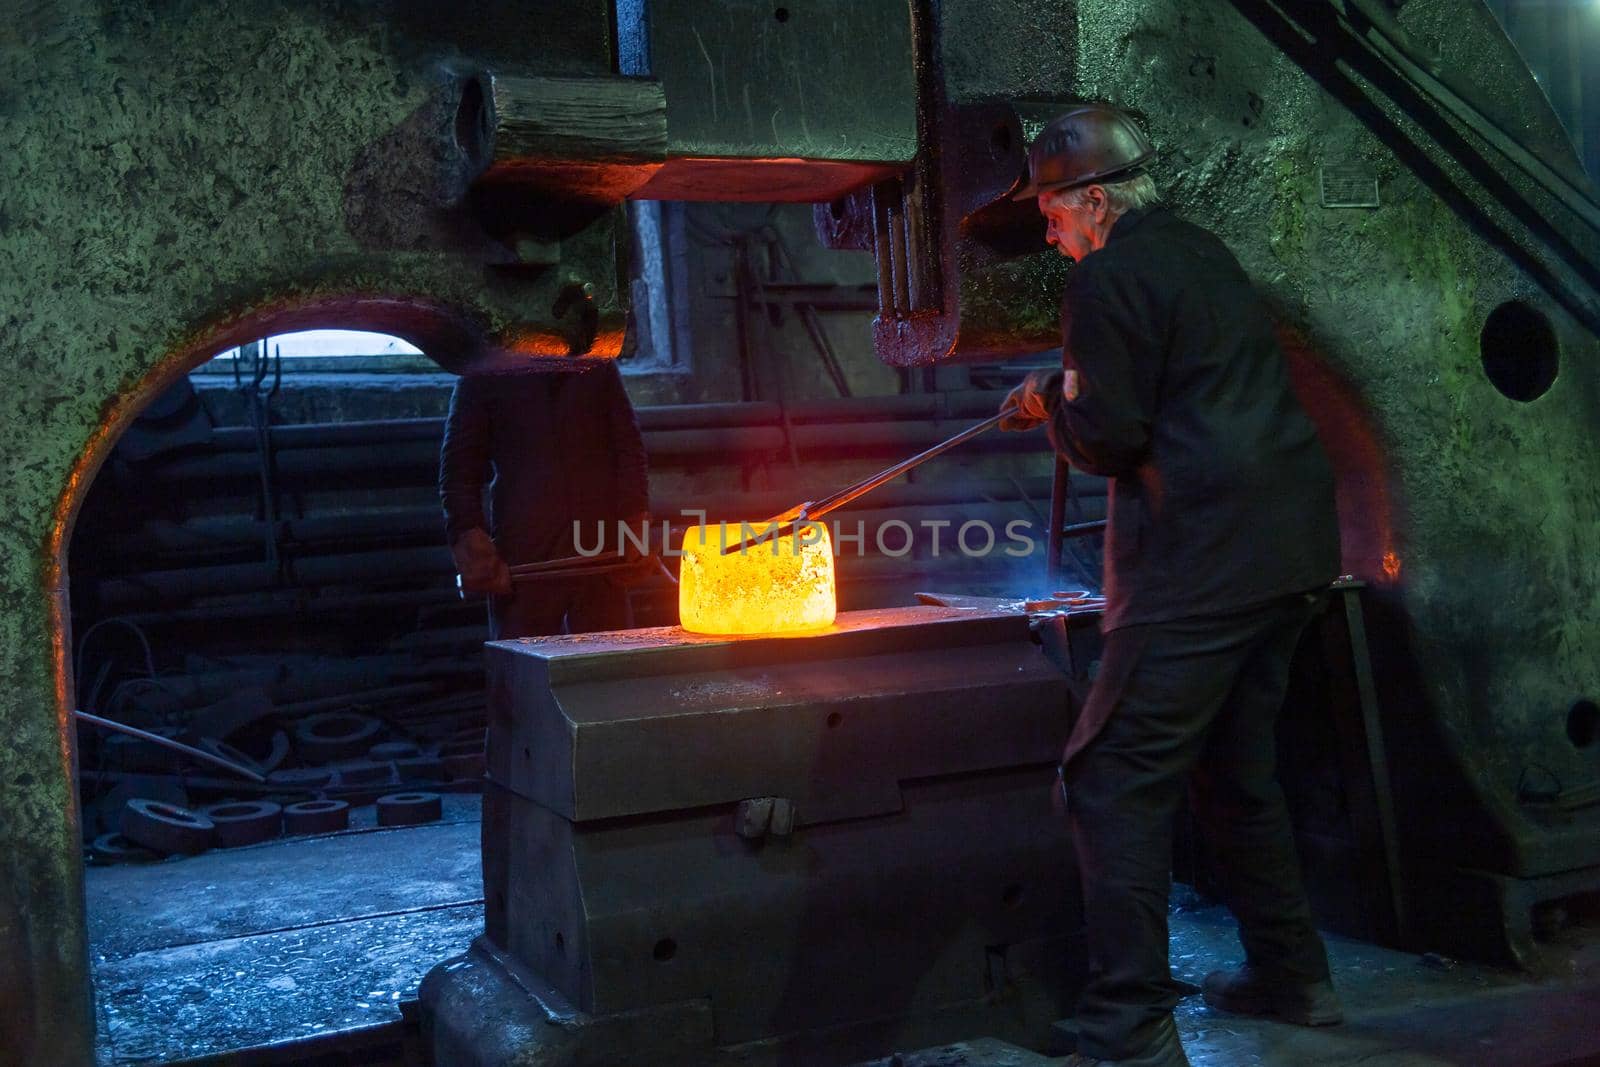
(568, 465)
(1221, 537)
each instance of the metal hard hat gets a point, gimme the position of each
(1093, 143)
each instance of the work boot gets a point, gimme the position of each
(1247, 992)
(1164, 1050)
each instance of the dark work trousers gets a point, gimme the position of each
(574, 605)
(1200, 695)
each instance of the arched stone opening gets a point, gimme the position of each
(444, 334)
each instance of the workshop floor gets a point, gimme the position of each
(1401, 1010)
(318, 942)
(297, 941)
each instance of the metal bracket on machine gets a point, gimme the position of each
(963, 272)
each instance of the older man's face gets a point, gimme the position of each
(1072, 229)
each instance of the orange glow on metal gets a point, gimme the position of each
(780, 586)
(1368, 512)
(549, 344)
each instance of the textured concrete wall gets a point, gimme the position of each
(1474, 514)
(176, 177)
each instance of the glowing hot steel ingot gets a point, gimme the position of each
(781, 585)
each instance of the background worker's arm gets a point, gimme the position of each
(463, 472)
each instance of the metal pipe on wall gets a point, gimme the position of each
(140, 589)
(193, 540)
(403, 462)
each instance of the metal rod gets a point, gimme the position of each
(556, 569)
(652, 418)
(1058, 516)
(817, 509)
(167, 742)
(561, 563)
(866, 485)
(569, 572)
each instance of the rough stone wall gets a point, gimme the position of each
(1475, 515)
(176, 177)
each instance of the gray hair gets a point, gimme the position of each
(1130, 194)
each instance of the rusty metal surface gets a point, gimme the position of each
(486, 1010)
(598, 726)
(964, 272)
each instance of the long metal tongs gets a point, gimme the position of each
(811, 510)
(567, 567)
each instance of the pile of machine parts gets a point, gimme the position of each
(300, 769)
(151, 829)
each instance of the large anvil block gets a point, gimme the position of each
(915, 747)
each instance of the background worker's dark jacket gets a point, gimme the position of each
(1221, 496)
(562, 446)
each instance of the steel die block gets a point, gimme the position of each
(601, 726)
(917, 746)
(625, 914)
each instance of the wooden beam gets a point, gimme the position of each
(595, 139)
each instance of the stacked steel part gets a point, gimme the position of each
(246, 822)
(316, 817)
(409, 809)
(116, 848)
(167, 828)
(393, 742)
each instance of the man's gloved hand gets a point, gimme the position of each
(479, 564)
(1033, 402)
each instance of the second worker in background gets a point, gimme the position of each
(556, 448)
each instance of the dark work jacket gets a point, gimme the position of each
(1221, 496)
(562, 446)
